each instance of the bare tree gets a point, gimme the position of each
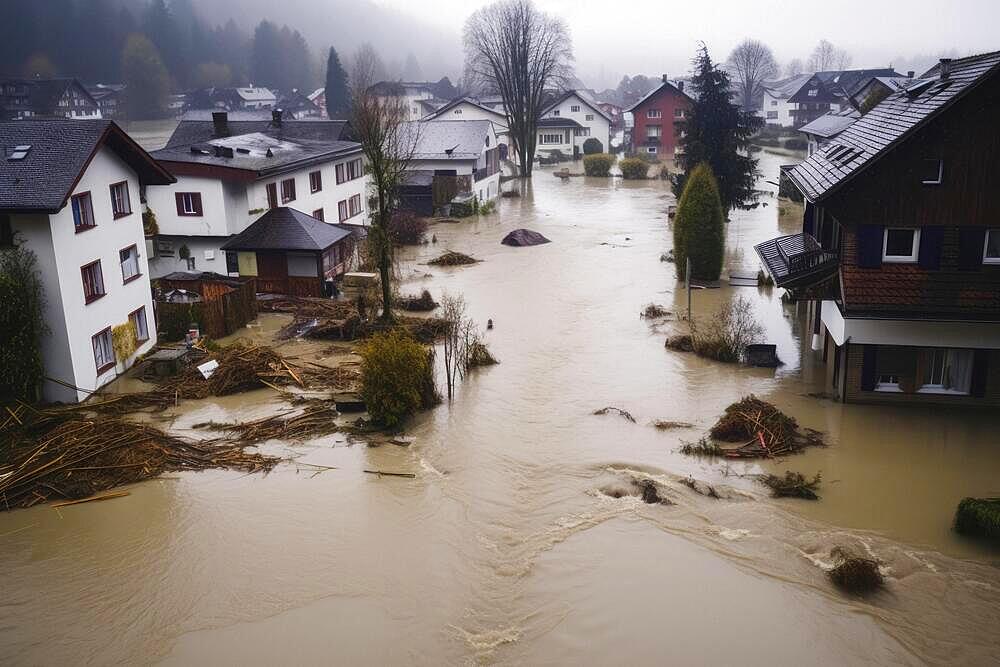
(795, 67)
(826, 57)
(518, 51)
(752, 62)
(388, 142)
(455, 340)
(367, 66)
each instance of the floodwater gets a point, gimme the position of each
(509, 546)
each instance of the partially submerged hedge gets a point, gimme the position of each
(397, 377)
(979, 517)
(634, 168)
(598, 164)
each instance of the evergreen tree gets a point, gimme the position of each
(411, 69)
(699, 231)
(338, 99)
(22, 325)
(717, 131)
(146, 77)
(162, 30)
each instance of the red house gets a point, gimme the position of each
(654, 116)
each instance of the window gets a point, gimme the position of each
(991, 251)
(120, 203)
(83, 212)
(341, 171)
(354, 169)
(315, 181)
(931, 171)
(654, 113)
(104, 353)
(945, 371)
(772, 115)
(93, 281)
(355, 205)
(678, 113)
(457, 112)
(129, 260)
(900, 244)
(318, 214)
(813, 93)
(552, 138)
(556, 112)
(892, 365)
(342, 210)
(575, 108)
(651, 149)
(6, 231)
(272, 195)
(188, 203)
(654, 131)
(138, 320)
(287, 190)
(774, 103)
(589, 116)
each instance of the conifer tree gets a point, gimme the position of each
(699, 231)
(717, 131)
(338, 98)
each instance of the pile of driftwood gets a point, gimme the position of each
(59, 453)
(423, 303)
(792, 485)
(764, 430)
(452, 258)
(318, 418)
(324, 319)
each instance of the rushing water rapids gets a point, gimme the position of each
(509, 546)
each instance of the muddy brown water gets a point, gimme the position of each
(509, 546)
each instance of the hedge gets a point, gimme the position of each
(699, 231)
(598, 164)
(633, 168)
(592, 146)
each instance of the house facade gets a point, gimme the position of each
(416, 96)
(72, 197)
(654, 119)
(30, 98)
(776, 109)
(467, 108)
(830, 91)
(899, 257)
(582, 119)
(228, 179)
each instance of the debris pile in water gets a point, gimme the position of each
(654, 311)
(524, 237)
(480, 355)
(855, 574)
(680, 343)
(59, 453)
(317, 419)
(792, 485)
(979, 517)
(618, 411)
(452, 258)
(765, 430)
(423, 303)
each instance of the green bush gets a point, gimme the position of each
(394, 371)
(634, 168)
(597, 164)
(979, 517)
(699, 233)
(21, 325)
(592, 146)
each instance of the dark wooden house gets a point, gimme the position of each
(899, 255)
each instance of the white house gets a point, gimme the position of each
(467, 108)
(28, 98)
(226, 181)
(776, 109)
(257, 98)
(416, 96)
(576, 118)
(71, 195)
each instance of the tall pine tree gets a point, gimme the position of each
(716, 131)
(338, 102)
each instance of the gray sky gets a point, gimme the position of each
(657, 36)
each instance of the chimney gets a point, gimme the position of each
(220, 119)
(664, 78)
(945, 69)
(276, 117)
(680, 86)
(909, 75)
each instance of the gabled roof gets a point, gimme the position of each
(60, 152)
(888, 124)
(831, 124)
(558, 122)
(664, 86)
(450, 139)
(849, 80)
(43, 95)
(199, 128)
(464, 100)
(785, 88)
(580, 96)
(287, 229)
(256, 94)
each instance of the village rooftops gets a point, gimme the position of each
(43, 95)
(889, 123)
(558, 122)
(831, 124)
(665, 84)
(585, 98)
(202, 126)
(460, 100)
(785, 88)
(287, 229)
(253, 155)
(256, 94)
(43, 160)
(450, 139)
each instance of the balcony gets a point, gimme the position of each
(797, 261)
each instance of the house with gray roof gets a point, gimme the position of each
(588, 120)
(70, 193)
(230, 172)
(46, 98)
(898, 260)
(462, 156)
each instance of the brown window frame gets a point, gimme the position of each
(285, 198)
(138, 272)
(126, 200)
(94, 296)
(315, 181)
(196, 204)
(351, 208)
(319, 214)
(140, 309)
(90, 211)
(272, 195)
(342, 210)
(101, 370)
(341, 172)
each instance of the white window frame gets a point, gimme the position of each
(651, 150)
(901, 259)
(187, 203)
(589, 117)
(888, 385)
(575, 108)
(986, 245)
(939, 387)
(548, 136)
(940, 176)
(654, 113)
(130, 264)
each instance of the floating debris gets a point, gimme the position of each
(316, 420)
(792, 485)
(654, 311)
(665, 425)
(680, 343)
(452, 258)
(704, 447)
(855, 574)
(763, 428)
(524, 237)
(423, 303)
(611, 408)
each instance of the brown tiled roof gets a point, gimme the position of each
(910, 290)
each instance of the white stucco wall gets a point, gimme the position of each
(307, 201)
(467, 111)
(598, 125)
(778, 105)
(68, 350)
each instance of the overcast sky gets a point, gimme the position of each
(657, 36)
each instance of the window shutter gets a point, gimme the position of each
(931, 240)
(868, 367)
(870, 238)
(980, 372)
(180, 203)
(971, 241)
(808, 220)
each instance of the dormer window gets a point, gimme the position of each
(931, 171)
(900, 245)
(813, 92)
(556, 112)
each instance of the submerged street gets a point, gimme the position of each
(509, 546)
